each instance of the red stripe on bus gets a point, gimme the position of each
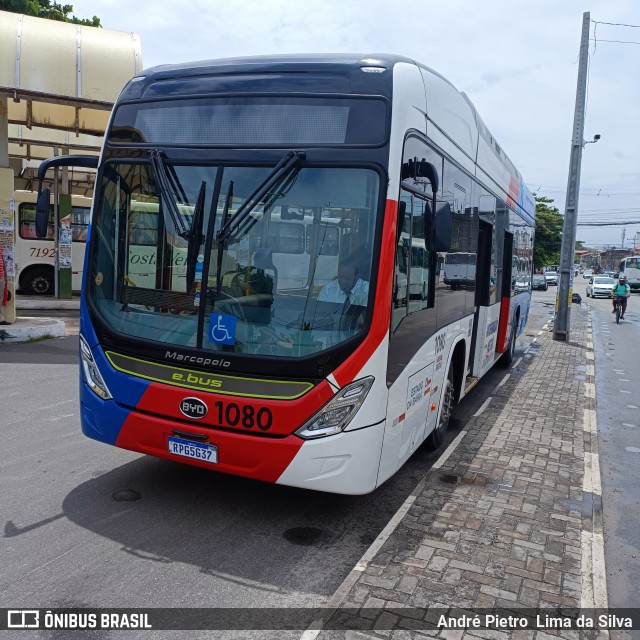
(239, 413)
(347, 371)
(239, 454)
(503, 326)
(514, 193)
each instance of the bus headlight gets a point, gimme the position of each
(91, 373)
(338, 412)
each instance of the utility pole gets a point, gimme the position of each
(563, 314)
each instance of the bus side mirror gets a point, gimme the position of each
(42, 213)
(443, 227)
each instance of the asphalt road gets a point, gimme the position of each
(618, 413)
(88, 525)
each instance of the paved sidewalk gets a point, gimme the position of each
(511, 519)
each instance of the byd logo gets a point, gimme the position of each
(193, 408)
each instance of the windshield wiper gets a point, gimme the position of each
(195, 235)
(281, 173)
(225, 214)
(166, 192)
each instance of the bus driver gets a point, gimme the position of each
(348, 286)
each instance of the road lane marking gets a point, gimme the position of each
(591, 480)
(590, 421)
(592, 568)
(449, 450)
(485, 404)
(503, 380)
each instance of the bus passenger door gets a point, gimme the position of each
(505, 295)
(483, 335)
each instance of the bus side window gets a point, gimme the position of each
(27, 222)
(27, 230)
(143, 228)
(80, 223)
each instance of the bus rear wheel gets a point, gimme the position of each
(436, 437)
(38, 281)
(509, 355)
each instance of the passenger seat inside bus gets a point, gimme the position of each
(263, 259)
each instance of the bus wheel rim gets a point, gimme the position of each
(447, 404)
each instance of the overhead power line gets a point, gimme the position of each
(617, 24)
(599, 191)
(616, 41)
(607, 224)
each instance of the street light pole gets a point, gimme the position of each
(563, 314)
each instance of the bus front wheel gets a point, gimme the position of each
(38, 281)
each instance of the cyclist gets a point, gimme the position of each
(621, 290)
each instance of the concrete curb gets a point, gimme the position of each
(45, 304)
(26, 328)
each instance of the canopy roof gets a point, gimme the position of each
(61, 81)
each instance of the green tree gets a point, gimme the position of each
(46, 9)
(548, 239)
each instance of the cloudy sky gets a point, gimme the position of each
(516, 59)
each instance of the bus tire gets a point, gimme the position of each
(436, 437)
(38, 281)
(509, 355)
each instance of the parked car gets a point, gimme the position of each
(539, 282)
(600, 286)
(587, 273)
(551, 277)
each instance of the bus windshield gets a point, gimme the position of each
(288, 279)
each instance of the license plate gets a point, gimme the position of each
(194, 450)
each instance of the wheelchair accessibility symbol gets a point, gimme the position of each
(222, 328)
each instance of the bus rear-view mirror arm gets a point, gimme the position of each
(44, 195)
(442, 223)
(438, 228)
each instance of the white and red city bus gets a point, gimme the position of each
(298, 193)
